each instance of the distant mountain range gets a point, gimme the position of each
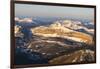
(86, 27)
(77, 26)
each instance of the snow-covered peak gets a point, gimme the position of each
(25, 20)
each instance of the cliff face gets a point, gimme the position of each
(57, 30)
(17, 31)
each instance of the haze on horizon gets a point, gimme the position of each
(53, 11)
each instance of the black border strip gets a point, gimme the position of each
(12, 65)
(12, 38)
(55, 4)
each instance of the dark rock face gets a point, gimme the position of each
(26, 57)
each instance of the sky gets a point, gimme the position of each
(53, 11)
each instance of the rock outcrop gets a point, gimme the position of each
(17, 31)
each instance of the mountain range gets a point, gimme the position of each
(49, 40)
